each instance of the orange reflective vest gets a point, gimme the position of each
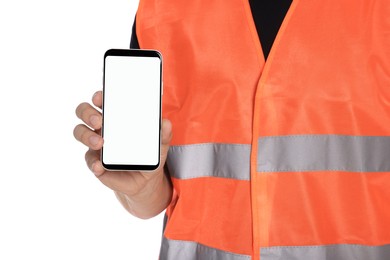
(284, 159)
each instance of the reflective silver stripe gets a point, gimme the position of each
(188, 250)
(324, 152)
(210, 160)
(331, 252)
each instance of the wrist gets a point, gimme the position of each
(150, 200)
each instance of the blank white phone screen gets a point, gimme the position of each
(131, 110)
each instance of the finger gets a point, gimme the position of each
(166, 137)
(89, 115)
(119, 180)
(166, 134)
(92, 157)
(123, 181)
(97, 99)
(88, 137)
(115, 180)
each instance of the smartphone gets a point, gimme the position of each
(132, 89)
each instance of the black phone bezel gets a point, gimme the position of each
(132, 53)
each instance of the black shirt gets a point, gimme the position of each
(268, 15)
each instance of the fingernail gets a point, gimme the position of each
(94, 120)
(94, 140)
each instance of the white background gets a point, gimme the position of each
(51, 205)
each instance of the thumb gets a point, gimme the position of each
(166, 137)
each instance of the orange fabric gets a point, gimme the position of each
(208, 209)
(198, 49)
(328, 73)
(261, 205)
(256, 185)
(345, 91)
(346, 88)
(215, 212)
(322, 208)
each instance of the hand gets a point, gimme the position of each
(132, 184)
